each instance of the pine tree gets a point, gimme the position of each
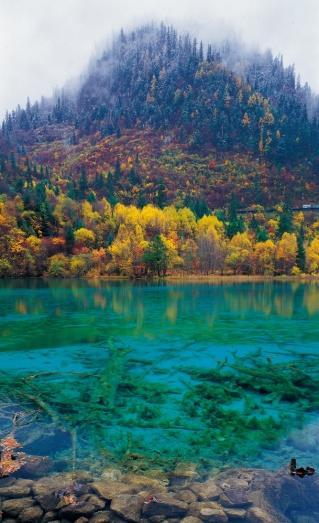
(235, 223)
(83, 183)
(69, 238)
(156, 257)
(285, 221)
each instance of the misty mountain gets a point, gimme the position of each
(216, 96)
(160, 118)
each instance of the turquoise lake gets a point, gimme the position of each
(161, 372)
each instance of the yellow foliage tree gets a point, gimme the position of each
(240, 253)
(84, 237)
(312, 255)
(152, 220)
(78, 266)
(286, 253)
(264, 257)
(173, 259)
(210, 224)
(186, 223)
(90, 217)
(127, 249)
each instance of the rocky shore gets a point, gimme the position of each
(234, 496)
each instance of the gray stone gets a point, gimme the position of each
(78, 509)
(128, 506)
(235, 484)
(19, 489)
(191, 519)
(208, 511)
(94, 500)
(48, 502)
(49, 517)
(235, 513)
(235, 498)
(81, 520)
(31, 515)
(114, 518)
(167, 506)
(140, 482)
(213, 515)
(51, 484)
(206, 491)
(5, 482)
(109, 489)
(183, 475)
(13, 507)
(100, 517)
(186, 495)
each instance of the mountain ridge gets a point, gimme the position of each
(165, 92)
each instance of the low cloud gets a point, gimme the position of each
(45, 43)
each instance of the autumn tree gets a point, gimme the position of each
(189, 255)
(127, 250)
(312, 254)
(264, 257)
(58, 266)
(286, 253)
(240, 253)
(84, 237)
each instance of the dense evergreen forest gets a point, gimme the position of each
(142, 168)
(155, 77)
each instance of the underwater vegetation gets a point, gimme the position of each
(228, 413)
(249, 403)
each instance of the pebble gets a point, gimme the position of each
(234, 495)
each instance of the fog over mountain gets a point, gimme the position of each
(44, 43)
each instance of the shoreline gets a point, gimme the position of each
(180, 277)
(231, 496)
(210, 279)
(241, 278)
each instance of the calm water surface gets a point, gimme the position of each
(115, 363)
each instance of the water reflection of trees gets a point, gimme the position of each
(78, 310)
(282, 299)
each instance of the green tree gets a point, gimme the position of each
(285, 221)
(58, 266)
(69, 238)
(156, 256)
(83, 182)
(235, 223)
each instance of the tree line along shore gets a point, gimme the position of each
(62, 237)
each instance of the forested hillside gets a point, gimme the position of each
(174, 130)
(155, 77)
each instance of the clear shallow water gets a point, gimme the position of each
(114, 365)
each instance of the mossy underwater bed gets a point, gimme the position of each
(238, 412)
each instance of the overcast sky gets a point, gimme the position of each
(43, 43)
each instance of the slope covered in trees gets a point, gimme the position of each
(155, 77)
(173, 130)
(58, 236)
